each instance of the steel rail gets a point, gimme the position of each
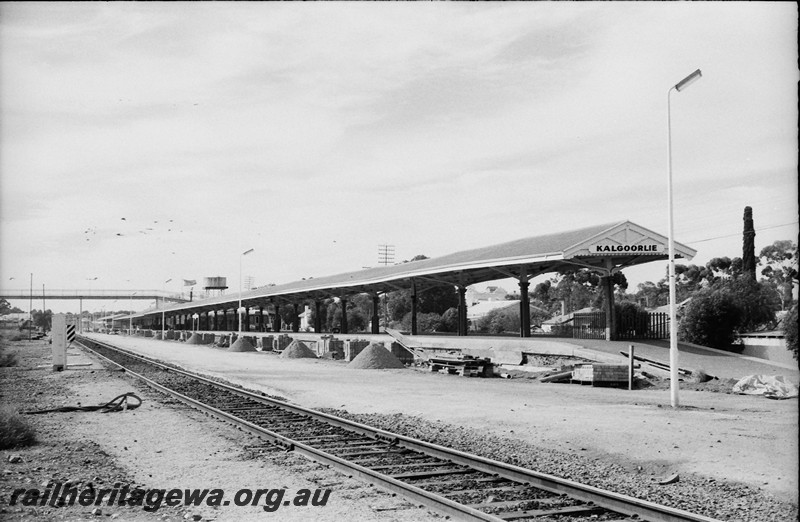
(616, 502)
(426, 498)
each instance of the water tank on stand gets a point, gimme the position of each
(214, 286)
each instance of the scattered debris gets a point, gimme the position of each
(669, 480)
(698, 375)
(558, 377)
(770, 386)
(464, 365)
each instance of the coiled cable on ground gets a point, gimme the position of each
(119, 403)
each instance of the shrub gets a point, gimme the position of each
(756, 302)
(14, 430)
(790, 331)
(7, 359)
(499, 321)
(631, 318)
(450, 320)
(711, 319)
(426, 323)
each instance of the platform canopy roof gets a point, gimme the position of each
(605, 247)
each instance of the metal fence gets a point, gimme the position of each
(638, 325)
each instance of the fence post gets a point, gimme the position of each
(630, 367)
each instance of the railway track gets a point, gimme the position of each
(453, 483)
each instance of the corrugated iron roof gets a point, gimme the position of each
(535, 254)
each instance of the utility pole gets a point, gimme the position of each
(385, 255)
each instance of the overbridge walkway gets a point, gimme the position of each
(81, 294)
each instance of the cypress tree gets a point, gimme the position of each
(749, 245)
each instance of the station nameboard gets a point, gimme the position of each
(616, 248)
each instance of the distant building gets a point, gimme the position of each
(678, 307)
(491, 293)
(547, 326)
(479, 310)
(14, 320)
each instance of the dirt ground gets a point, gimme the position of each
(158, 445)
(747, 439)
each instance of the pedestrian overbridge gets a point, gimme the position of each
(59, 294)
(604, 249)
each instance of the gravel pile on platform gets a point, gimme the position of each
(242, 344)
(730, 501)
(194, 339)
(375, 357)
(298, 350)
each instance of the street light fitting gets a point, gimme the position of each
(681, 85)
(249, 251)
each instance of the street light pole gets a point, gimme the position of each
(673, 312)
(131, 325)
(30, 310)
(239, 310)
(163, 302)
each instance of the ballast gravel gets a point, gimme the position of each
(721, 500)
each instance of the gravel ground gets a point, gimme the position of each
(162, 444)
(713, 498)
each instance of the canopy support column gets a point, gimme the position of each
(413, 308)
(317, 318)
(608, 280)
(376, 326)
(462, 311)
(524, 309)
(296, 318)
(343, 303)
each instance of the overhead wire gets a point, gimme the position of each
(739, 233)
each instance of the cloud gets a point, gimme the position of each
(435, 127)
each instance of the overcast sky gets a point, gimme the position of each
(142, 142)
